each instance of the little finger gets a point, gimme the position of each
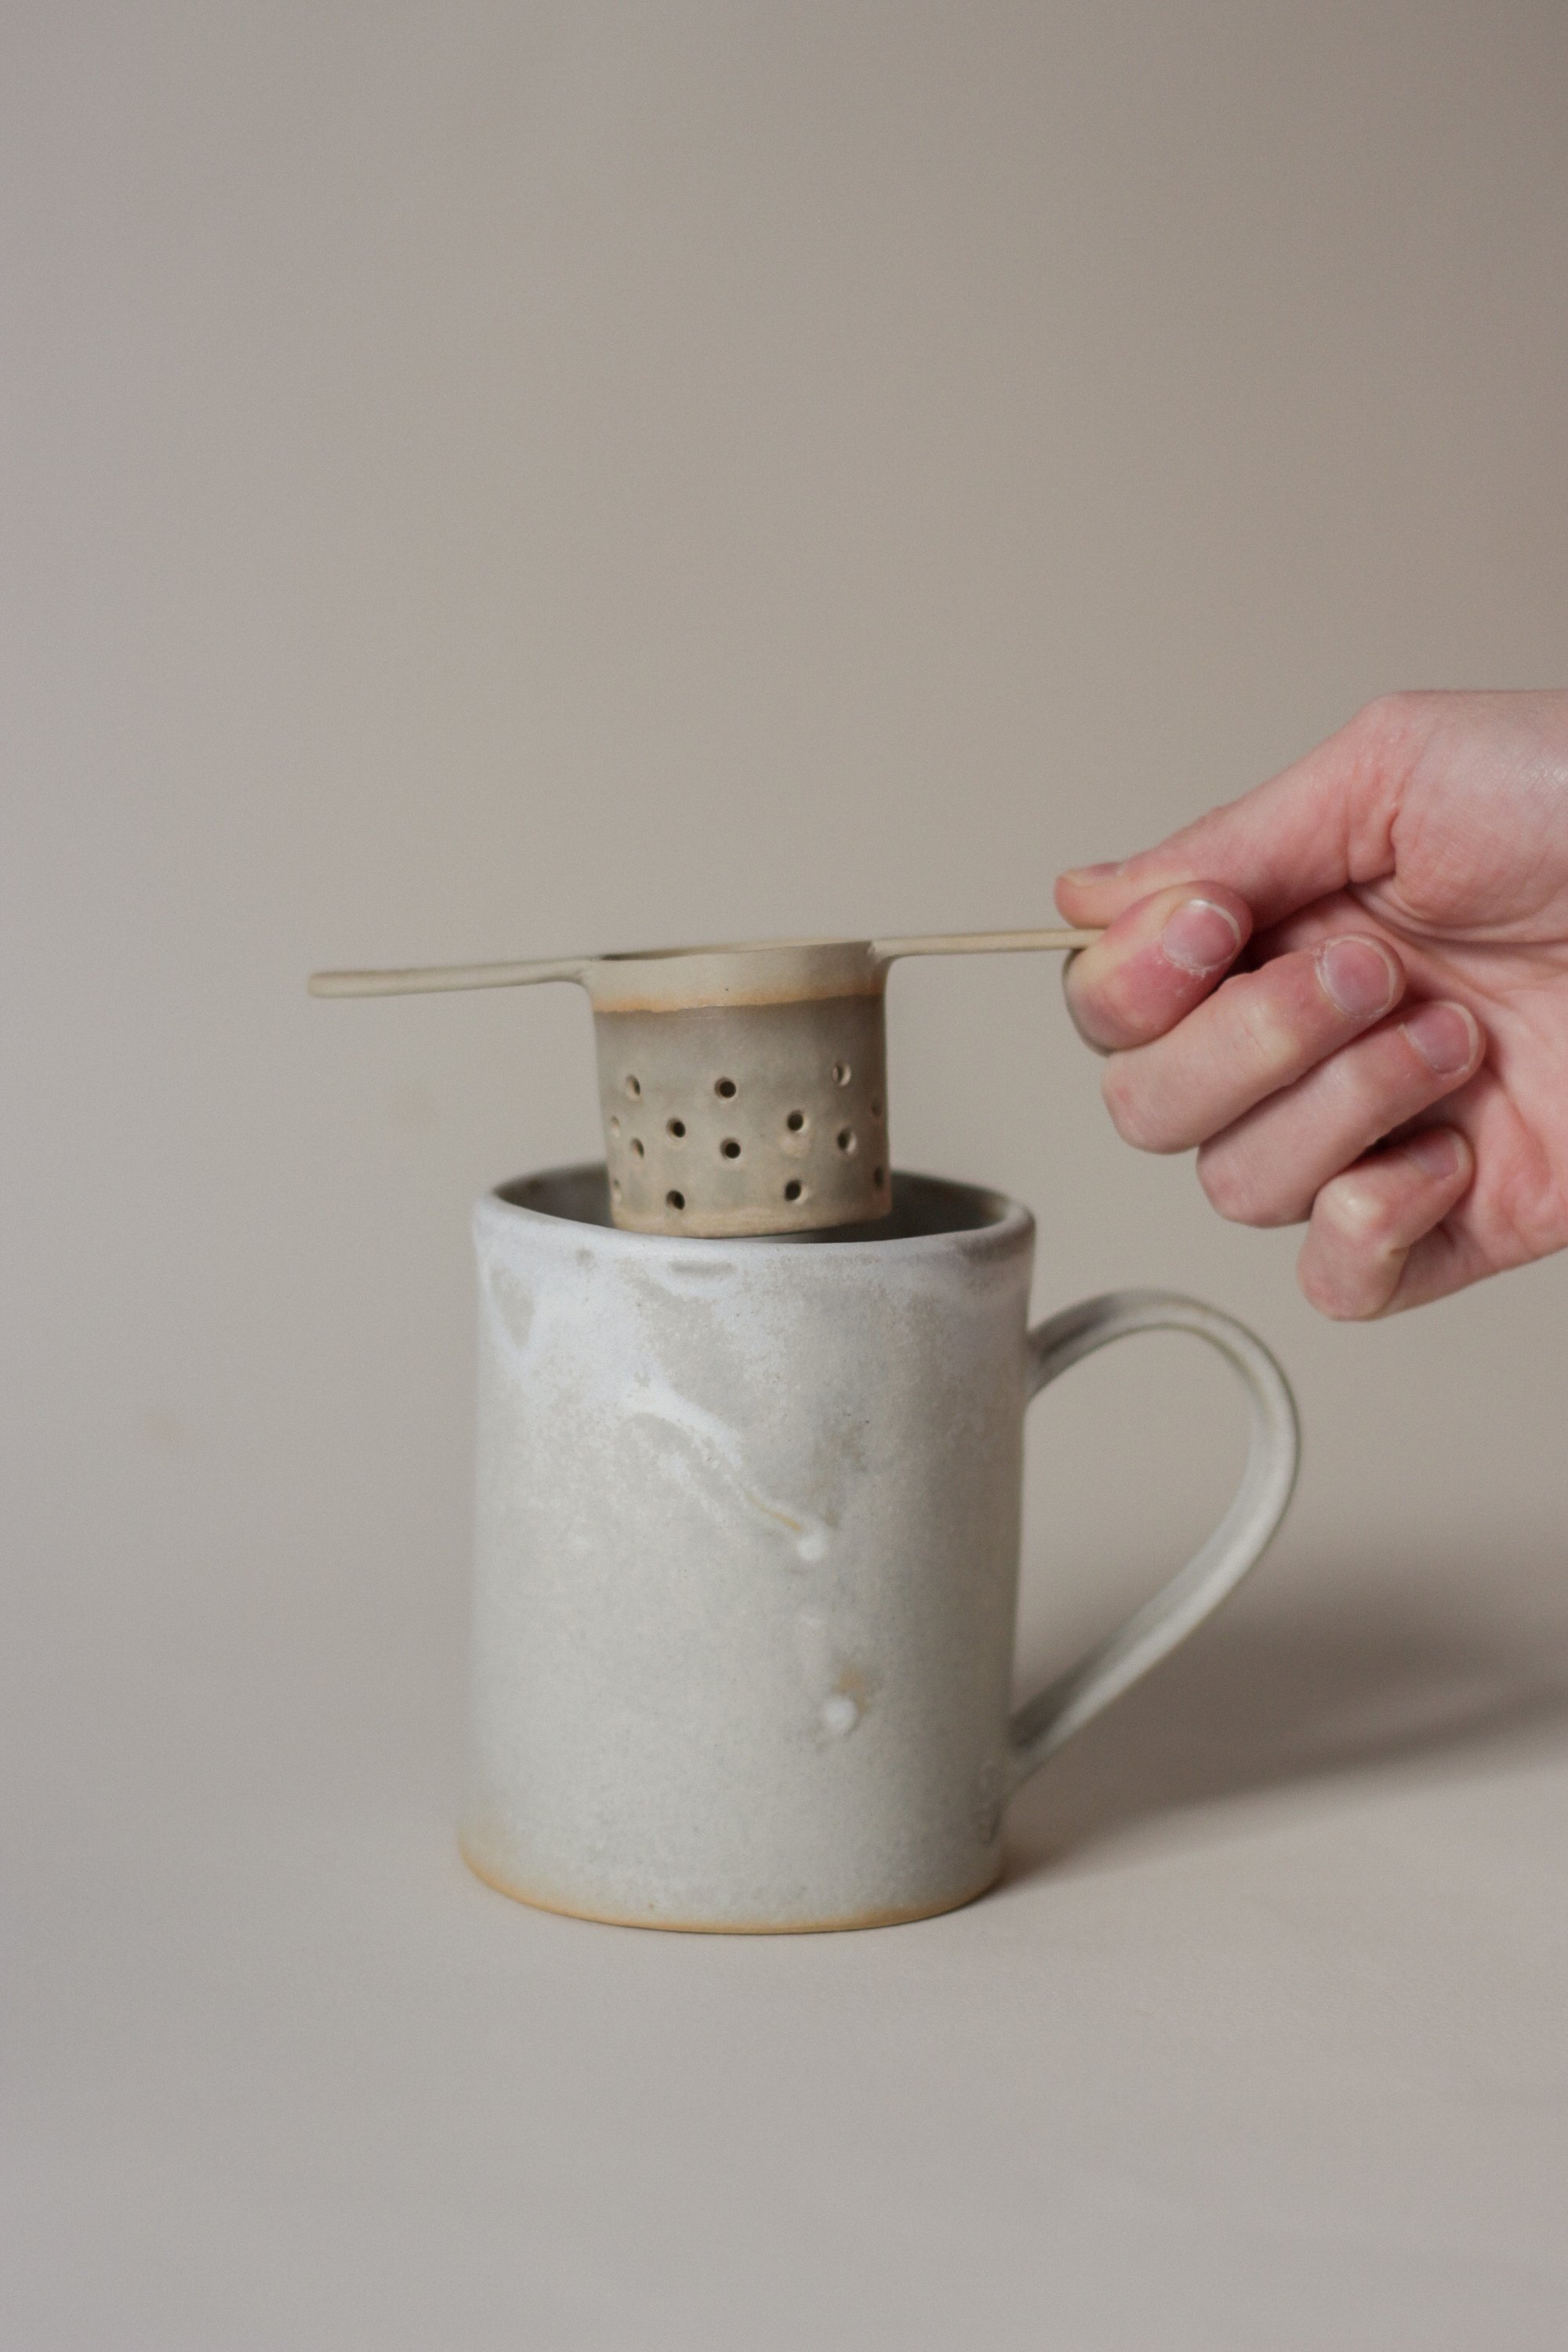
(1366, 1221)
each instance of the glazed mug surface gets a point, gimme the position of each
(747, 1556)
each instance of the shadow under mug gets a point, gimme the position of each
(747, 1556)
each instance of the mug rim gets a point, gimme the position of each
(1004, 1224)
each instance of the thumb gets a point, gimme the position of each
(1324, 822)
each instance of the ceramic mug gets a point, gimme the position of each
(747, 1556)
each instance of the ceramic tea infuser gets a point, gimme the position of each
(743, 1089)
(750, 1415)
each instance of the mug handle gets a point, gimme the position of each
(1215, 1570)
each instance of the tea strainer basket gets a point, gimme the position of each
(743, 1088)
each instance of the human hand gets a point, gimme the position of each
(1388, 1058)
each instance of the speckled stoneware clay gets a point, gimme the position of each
(747, 1556)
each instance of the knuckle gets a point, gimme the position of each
(1363, 1097)
(1374, 714)
(1328, 1292)
(1356, 1210)
(1265, 1032)
(1228, 1188)
(1389, 716)
(1095, 1004)
(1239, 1191)
(1134, 1118)
(1081, 1014)
(1113, 1094)
(1350, 1265)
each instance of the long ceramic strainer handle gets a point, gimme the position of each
(1218, 1566)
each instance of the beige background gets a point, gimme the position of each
(491, 480)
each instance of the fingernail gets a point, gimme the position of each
(1201, 937)
(1446, 1037)
(1093, 873)
(1358, 976)
(1436, 1153)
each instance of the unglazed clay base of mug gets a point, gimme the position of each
(895, 1918)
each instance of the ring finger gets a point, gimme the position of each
(1268, 1168)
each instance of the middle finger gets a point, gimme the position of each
(1269, 1168)
(1260, 1030)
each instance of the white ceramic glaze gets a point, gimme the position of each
(747, 1555)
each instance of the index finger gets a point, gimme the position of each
(1156, 963)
